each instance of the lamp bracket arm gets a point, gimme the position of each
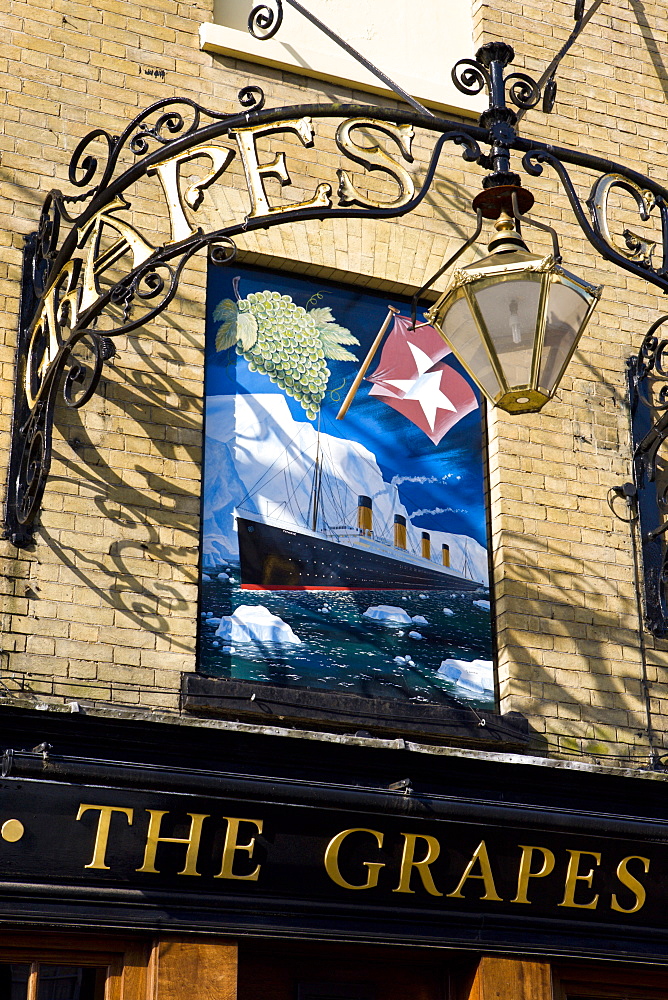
(547, 82)
(556, 251)
(449, 262)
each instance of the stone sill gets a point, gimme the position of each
(338, 68)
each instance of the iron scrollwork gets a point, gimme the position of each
(648, 399)
(89, 275)
(264, 21)
(636, 255)
(471, 76)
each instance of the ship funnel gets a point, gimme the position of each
(364, 516)
(446, 554)
(426, 545)
(399, 531)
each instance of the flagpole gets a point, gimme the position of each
(352, 392)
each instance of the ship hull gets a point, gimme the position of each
(275, 558)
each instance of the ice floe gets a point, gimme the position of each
(472, 677)
(448, 611)
(388, 614)
(255, 623)
(223, 577)
(206, 578)
(415, 635)
(483, 605)
(420, 620)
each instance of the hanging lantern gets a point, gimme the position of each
(513, 319)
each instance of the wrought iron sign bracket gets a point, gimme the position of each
(90, 275)
(648, 407)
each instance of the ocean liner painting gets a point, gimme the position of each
(277, 558)
(344, 532)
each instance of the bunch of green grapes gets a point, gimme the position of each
(285, 342)
(287, 348)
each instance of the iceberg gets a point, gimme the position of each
(471, 677)
(420, 620)
(388, 614)
(223, 577)
(415, 635)
(483, 605)
(448, 611)
(255, 623)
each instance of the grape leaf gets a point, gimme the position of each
(323, 314)
(225, 310)
(332, 332)
(332, 335)
(337, 353)
(246, 330)
(226, 335)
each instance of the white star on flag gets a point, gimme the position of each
(426, 390)
(416, 383)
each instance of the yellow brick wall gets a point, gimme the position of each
(103, 610)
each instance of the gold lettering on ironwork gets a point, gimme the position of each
(44, 329)
(96, 263)
(480, 857)
(408, 863)
(102, 834)
(632, 883)
(332, 860)
(374, 157)
(635, 247)
(169, 174)
(68, 308)
(59, 308)
(256, 172)
(153, 838)
(231, 846)
(75, 288)
(525, 872)
(573, 876)
(66, 299)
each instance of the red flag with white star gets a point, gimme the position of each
(412, 380)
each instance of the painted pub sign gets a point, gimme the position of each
(344, 541)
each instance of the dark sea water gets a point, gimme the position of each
(344, 651)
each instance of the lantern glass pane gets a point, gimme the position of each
(510, 311)
(566, 311)
(461, 332)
